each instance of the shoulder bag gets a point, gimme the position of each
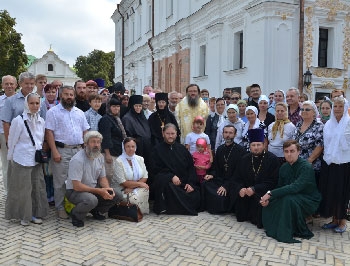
(125, 210)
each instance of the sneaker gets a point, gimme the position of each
(97, 215)
(24, 222)
(76, 222)
(62, 214)
(36, 220)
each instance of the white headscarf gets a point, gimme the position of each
(263, 98)
(333, 133)
(313, 105)
(257, 121)
(32, 118)
(135, 171)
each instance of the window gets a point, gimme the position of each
(202, 63)
(133, 32)
(50, 67)
(169, 8)
(238, 50)
(323, 47)
(139, 27)
(170, 75)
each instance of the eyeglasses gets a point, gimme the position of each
(235, 98)
(305, 109)
(105, 94)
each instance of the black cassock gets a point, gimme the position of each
(259, 172)
(226, 159)
(168, 161)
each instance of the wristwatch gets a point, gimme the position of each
(269, 193)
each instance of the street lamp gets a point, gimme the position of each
(307, 78)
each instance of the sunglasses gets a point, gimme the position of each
(305, 109)
(235, 98)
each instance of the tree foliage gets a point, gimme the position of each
(13, 58)
(96, 64)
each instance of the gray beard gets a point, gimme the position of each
(193, 102)
(67, 105)
(228, 141)
(92, 153)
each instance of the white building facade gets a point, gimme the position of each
(53, 68)
(221, 44)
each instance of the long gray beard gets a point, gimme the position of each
(67, 105)
(193, 102)
(92, 153)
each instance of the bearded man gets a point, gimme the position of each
(87, 185)
(217, 193)
(80, 91)
(65, 126)
(256, 173)
(190, 107)
(175, 183)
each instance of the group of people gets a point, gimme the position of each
(270, 160)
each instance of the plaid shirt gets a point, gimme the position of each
(295, 117)
(92, 118)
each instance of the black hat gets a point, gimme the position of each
(135, 99)
(114, 101)
(117, 87)
(256, 135)
(161, 96)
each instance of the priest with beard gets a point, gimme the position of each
(87, 185)
(160, 118)
(175, 184)
(190, 107)
(256, 173)
(217, 194)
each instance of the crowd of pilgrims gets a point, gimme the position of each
(230, 159)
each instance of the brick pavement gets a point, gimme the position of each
(162, 240)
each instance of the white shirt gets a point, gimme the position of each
(67, 126)
(276, 145)
(20, 146)
(191, 139)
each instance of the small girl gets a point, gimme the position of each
(197, 132)
(201, 159)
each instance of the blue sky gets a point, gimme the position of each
(72, 27)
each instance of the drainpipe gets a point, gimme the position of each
(150, 45)
(123, 72)
(301, 47)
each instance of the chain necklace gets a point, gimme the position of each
(257, 172)
(228, 156)
(161, 121)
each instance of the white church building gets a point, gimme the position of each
(53, 68)
(219, 44)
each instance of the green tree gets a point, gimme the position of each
(13, 58)
(96, 64)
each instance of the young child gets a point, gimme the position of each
(201, 159)
(197, 132)
(92, 115)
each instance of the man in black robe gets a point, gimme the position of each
(256, 174)
(217, 193)
(175, 182)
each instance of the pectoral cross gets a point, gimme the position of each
(226, 166)
(162, 125)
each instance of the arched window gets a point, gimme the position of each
(50, 67)
(178, 87)
(170, 77)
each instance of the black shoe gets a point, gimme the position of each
(97, 215)
(76, 222)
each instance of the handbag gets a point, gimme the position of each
(41, 156)
(125, 210)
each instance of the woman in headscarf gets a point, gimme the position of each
(136, 126)
(264, 116)
(280, 131)
(253, 122)
(214, 122)
(309, 134)
(335, 172)
(325, 110)
(26, 199)
(130, 176)
(160, 118)
(113, 132)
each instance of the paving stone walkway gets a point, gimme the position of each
(162, 240)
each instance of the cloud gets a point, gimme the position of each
(73, 28)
